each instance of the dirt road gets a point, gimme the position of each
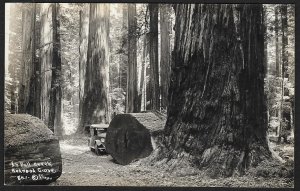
(81, 167)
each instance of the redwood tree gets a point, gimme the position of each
(95, 108)
(56, 90)
(285, 121)
(29, 87)
(46, 48)
(83, 46)
(217, 110)
(132, 93)
(28, 52)
(153, 55)
(165, 52)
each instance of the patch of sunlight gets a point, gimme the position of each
(73, 150)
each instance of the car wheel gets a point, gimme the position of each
(97, 150)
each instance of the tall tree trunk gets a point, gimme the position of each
(217, 110)
(37, 65)
(266, 69)
(154, 76)
(124, 68)
(285, 122)
(142, 85)
(56, 90)
(83, 46)
(46, 48)
(165, 53)
(33, 106)
(132, 93)
(28, 21)
(95, 108)
(277, 62)
(14, 56)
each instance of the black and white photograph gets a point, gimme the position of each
(149, 94)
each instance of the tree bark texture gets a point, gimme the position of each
(154, 76)
(95, 108)
(285, 122)
(36, 90)
(28, 139)
(14, 56)
(277, 61)
(165, 68)
(27, 68)
(132, 93)
(83, 46)
(131, 136)
(123, 70)
(46, 44)
(56, 89)
(142, 85)
(217, 110)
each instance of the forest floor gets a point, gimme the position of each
(81, 167)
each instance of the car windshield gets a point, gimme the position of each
(101, 131)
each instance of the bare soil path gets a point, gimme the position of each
(81, 167)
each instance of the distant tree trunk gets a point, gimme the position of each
(95, 108)
(142, 85)
(27, 68)
(56, 90)
(217, 116)
(154, 77)
(165, 53)
(266, 69)
(14, 56)
(124, 59)
(132, 93)
(46, 48)
(277, 62)
(285, 122)
(83, 46)
(36, 99)
(33, 106)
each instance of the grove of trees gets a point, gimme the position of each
(223, 74)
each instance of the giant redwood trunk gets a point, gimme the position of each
(29, 89)
(132, 93)
(27, 68)
(165, 52)
(36, 89)
(153, 55)
(217, 111)
(95, 100)
(46, 48)
(83, 46)
(50, 71)
(56, 89)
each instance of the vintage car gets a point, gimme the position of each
(97, 133)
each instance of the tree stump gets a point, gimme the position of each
(130, 136)
(32, 152)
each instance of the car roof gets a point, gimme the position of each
(99, 125)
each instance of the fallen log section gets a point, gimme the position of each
(32, 152)
(130, 136)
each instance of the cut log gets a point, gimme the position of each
(130, 136)
(32, 152)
